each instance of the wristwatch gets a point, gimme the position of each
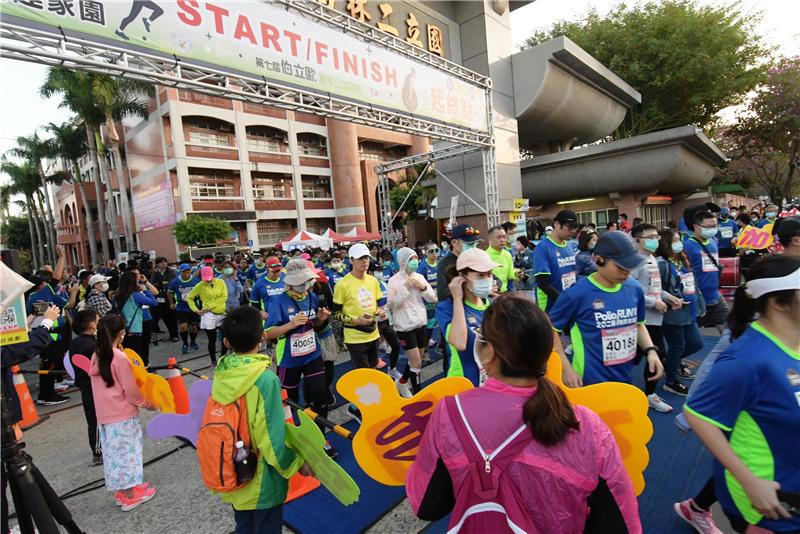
(653, 348)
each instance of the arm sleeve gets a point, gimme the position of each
(563, 313)
(429, 486)
(398, 293)
(642, 277)
(429, 294)
(442, 291)
(543, 282)
(144, 298)
(613, 506)
(38, 340)
(191, 296)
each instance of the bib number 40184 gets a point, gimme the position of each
(619, 344)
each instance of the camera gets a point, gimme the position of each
(40, 307)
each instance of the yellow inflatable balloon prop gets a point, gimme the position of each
(154, 388)
(392, 426)
(623, 407)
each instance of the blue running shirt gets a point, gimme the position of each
(706, 273)
(301, 345)
(179, 289)
(463, 363)
(559, 262)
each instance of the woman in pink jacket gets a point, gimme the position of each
(407, 293)
(552, 467)
(117, 400)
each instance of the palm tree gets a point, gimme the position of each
(70, 141)
(34, 149)
(6, 192)
(117, 98)
(75, 90)
(24, 181)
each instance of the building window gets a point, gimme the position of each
(272, 186)
(599, 217)
(372, 151)
(212, 189)
(656, 214)
(270, 232)
(310, 144)
(265, 139)
(209, 138)
(316, 187)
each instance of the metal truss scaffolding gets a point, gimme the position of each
(58, 50)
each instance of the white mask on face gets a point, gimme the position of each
(102, 287)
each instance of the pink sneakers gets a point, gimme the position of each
(702, 522)
(141, 494)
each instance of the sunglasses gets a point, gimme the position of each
(433, 251)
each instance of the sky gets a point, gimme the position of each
(22, 109)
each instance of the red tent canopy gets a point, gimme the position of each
(358, 234)
(333, 236)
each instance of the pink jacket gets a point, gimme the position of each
(557, 480)
(120, 401)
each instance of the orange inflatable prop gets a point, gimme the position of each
(153, 387)
(392, 426)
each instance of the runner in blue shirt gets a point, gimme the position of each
(292, 319)
(257, 269)
(554, 260)
(770, 216)
(461, 315)
(604, 314)
(728, 229)
(429, 269)
(268, 285)
(747, 411)
(701, 248)
(336, 271)
(187, 320)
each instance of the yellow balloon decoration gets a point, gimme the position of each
(392, 426)
(154, 388)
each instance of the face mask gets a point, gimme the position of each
(733, 214)
(708, 233)
(301, 289)
(228, 271)
(650, 244)
(103, 287)
(260, 264)
(677, 247)
(467, 246)
(481, 287)
(387, 264)
(336, 264)
(412, 265)
(592, 244)
(771, 214)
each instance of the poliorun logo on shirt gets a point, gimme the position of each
(598, 304)
(565, 261)
(794, 377)
(613, 319)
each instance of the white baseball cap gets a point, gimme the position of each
(359, 250)
(97, 278)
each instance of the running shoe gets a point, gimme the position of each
(702, 522)
(184, 349)
(97, 459)
(685, 373)
(658, 404)
(394, 373)
(682, 424)
(677, 388)
(330, 450)
(354, 413)
(173, 339)
(403, 389)
(52, 401)
(330, 400)
(193, 346)
(60, 387)
(141, 494)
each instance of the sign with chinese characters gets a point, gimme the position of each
(521, 204)
(266, 41)
(13, 323)
(153, 205)
(516, 216)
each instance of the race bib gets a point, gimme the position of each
(726, 232)
(567, 280)
(708, 264)
(687, 279)
(619, 344)
(655, 281)
(184, 291)
(303, 344)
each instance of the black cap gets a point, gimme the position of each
(566, 217)
(786, 227)
(620, 248)
(465, 233)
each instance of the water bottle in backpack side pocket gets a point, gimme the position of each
(244, 461)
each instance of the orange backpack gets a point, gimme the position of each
(223, 425)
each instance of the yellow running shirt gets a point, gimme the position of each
(358, 297)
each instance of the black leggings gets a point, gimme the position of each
(212, 345)
(707, 496)
(388, 333)
(315, 391)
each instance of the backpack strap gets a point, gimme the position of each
(476, 453)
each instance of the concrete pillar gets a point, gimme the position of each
(420, 145)
(346, 175)
(297, 177)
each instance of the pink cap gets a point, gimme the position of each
(206, 274)
(475, 259)
(305, 256)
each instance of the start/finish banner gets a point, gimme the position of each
(265, 40)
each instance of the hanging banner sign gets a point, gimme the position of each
(453, 210)
(269, 42)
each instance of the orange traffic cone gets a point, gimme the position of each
(298, 484)
(178, 387)
(30, 417)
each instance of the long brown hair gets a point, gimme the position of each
(108, 329)
(522, 337)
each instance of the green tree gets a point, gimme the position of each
(689, 61)
(16, 234)
(197, 230)
(419, 198)
(24, 181)
(765, 141)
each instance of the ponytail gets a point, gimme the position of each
(742, 314)
(107, 331)
(549, 414)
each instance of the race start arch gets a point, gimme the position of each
(292, 54)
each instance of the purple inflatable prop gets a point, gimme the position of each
(167, 425)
